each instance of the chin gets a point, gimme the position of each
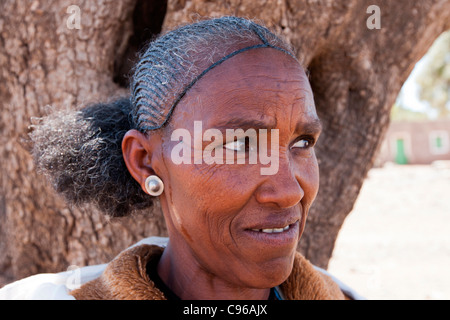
(272, 273)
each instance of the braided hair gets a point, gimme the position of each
(81, 150)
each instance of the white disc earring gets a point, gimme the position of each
(154, 186)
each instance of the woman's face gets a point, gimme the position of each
(232, 220)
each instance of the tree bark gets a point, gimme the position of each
(355, 72)
(45, 66)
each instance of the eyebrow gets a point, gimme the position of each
(310, 127)
(240, 123)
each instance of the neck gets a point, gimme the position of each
(190, 281)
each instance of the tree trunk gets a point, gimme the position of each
(355, 72)
(45, 66)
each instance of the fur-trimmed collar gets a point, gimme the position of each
(125, 278)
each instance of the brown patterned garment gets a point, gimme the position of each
(126, 278)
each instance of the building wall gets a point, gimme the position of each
(416, 143)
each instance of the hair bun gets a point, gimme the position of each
(81, 152)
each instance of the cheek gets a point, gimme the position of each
(309, 180)
(207, 197)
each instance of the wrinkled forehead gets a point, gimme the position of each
(258, 83)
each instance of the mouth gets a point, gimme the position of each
(275, 236)
(273, 230)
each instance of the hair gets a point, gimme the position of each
(81, 150)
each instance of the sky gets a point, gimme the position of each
(409, 94)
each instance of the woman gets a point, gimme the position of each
(220, 127)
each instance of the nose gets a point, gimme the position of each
(282, 189)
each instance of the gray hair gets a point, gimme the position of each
(176, 61)
(81, 150)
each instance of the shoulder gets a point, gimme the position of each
(59, 286)
(50, 286)
(349, 292)
(125, 278)
(308, 282)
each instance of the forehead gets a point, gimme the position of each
(265, 84)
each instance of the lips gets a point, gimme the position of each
(276, 223)
(278, 237)
(272, 230)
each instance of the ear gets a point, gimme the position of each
(138, 150)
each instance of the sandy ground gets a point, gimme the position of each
(395, 244)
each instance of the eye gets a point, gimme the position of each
(237, 145)
(303, 143)
(242, 145)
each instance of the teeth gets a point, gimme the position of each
(274, 230)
